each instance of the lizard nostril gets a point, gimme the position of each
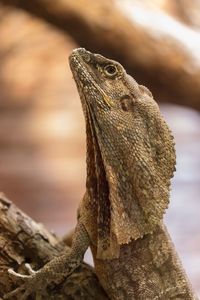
(85, 55)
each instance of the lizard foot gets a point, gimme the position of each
(34, 283)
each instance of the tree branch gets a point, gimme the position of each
(22, 240)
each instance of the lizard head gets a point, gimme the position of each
(135, 146)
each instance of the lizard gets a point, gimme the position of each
(130, 162)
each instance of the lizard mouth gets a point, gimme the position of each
(86, 83)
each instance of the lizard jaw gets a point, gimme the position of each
(84, 80)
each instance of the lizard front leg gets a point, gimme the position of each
(54, 271)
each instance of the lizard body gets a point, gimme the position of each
(130, 161)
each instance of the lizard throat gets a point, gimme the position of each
(98, 191)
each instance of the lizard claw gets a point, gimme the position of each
(36, 282)
(30, 282)
(29, 269)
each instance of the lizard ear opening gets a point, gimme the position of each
(127, 103)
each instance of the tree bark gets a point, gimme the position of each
(155, 59)
(22, 240)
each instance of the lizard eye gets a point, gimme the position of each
(110, 70)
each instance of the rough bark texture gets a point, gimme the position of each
(22, 240)
(155, 59)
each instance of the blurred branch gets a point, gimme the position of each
(186, 11)
(22, 240)
(154, 58)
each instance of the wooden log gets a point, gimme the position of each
(24, 241)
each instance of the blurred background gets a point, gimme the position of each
(42, 130)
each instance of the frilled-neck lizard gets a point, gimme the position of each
(130, 161)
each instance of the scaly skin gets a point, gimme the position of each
(130, 161)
